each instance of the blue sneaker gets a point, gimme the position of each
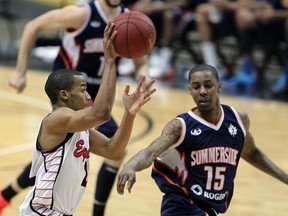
(280, 84)
(241, 80)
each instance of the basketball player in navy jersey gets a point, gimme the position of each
(81, 50)
(65, 139)
(197, 154)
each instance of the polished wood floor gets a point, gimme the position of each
(255, 193)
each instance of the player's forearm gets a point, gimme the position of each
(259, 160)
(105, 98)
(142, 160)
(122, 136)
(28, 39)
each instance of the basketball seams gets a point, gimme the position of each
(141, 35)
(127, 35)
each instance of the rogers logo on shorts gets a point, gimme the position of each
(214, 196)
(81, 151)
(197, 190)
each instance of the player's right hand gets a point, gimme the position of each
(109, 35)
(17, 81)
(126, 175)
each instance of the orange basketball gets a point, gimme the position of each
(136, 34)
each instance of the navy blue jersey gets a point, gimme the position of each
(202, 164)
(82, 50)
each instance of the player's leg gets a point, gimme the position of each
(246, 30)
(14, 188)
(205, 30)
(107, 173)
(104, 184)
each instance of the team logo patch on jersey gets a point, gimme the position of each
(232, 130)
(95, 24)
(196, 131)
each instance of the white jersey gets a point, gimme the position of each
(60, 177)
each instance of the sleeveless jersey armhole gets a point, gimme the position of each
(183, 132)
(239, 120)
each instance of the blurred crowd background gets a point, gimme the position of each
(246, 40)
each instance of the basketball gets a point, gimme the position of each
(136, 34)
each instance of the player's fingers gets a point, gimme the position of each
(140, 82)
(113, 35)
(121, 183)
(130, 184)
(126, 91)
(120, 188)
(148, 86)
(149, 93)
(19, 89)
(109, 26)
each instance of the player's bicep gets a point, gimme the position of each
(60, 19)
(249, 143)
(249, 147)
(66, 120)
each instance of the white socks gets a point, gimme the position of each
(209, 54)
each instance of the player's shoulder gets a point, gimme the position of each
(244, 117)
(75, 10)
(241, 113)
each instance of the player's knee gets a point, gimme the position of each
(203, 10)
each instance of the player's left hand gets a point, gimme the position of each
(133, 102)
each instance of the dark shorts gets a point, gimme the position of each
(177, 205)
(226, 27)
(109, 128)
(271, 33)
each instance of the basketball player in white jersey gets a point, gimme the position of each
(66, 137)
(81, 49)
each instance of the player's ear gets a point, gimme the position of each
(219, 87)
(63, 95)
(189, 89)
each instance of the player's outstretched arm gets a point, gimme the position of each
(257, 158)
(59, 19)
(114, 148)
(144, 158)
(105, 98)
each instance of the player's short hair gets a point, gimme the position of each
(62, 79)
(204, 67)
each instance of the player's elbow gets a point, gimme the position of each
(116, 154)
(33, 28)
(115, 157)
(104, 115)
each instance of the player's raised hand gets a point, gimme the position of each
(109, 51)
(133, 102)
